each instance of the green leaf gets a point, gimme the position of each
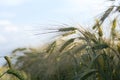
(69, 33)
(67, 29)
(16, 73)
(66, 44)
(100, 46)
(18, 49)
(86, 74)
(106, 14)
(118, 47)
(97, 24)
(100, 32)
(80, 48)
(8, 61)
(51, 47)
(114, 24)
(94, 59)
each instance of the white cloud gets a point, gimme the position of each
(11, 28)
(4, 22)
(84, 2)
(6, 14)
(82, 6)
(12, 2)
(8, 26)
(2, 39)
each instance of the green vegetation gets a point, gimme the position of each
(15, 74)
(78, 54)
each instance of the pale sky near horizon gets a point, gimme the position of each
(19, 19)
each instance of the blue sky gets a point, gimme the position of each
(20, 18)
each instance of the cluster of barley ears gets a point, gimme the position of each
(78, 54)
(87, 56)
